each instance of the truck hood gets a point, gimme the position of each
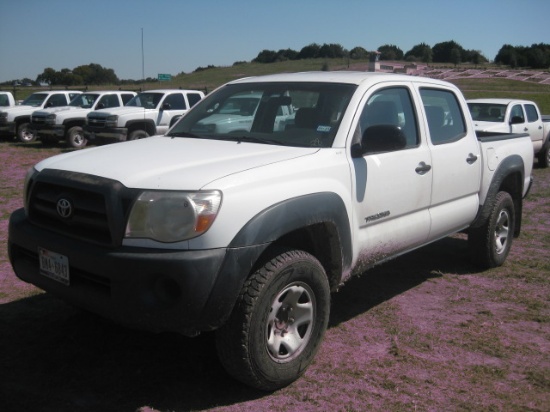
(491, 127)
(19, 109)
(120, 111)
(161, 162)
(63, 110)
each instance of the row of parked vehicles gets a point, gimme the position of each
(76, 117)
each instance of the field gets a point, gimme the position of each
(427, 332)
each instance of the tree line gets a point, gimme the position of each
(536, 56)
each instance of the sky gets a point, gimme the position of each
(179, 36)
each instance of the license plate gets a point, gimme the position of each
(54, 265)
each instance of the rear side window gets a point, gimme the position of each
(193, 98)
(532, 114)
(126, 97)
(445, 118)
(176, 101)
(57, 100)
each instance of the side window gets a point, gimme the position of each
(388, 121)
(176, 101)
(109, 100)
(57, 100)
(126, 98)
(193, 98)
(532, 114)
(73, 95)
(445, 118)
(516, 115)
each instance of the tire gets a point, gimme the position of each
(544, 155)
(75, 138)
(25, 133)
(137, 134)
(278, 322)
(490, 244)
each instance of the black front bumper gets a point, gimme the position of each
(186, 291)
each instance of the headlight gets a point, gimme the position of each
(51, 119)
(111, 121)
(172, 216)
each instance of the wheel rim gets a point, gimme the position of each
(27, 135)
(290, 322)
(78, 139)
(502, 231)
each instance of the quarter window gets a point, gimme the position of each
(445, 119)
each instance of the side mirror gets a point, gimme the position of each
(516, 120)
(378, 139)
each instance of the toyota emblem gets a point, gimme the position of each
(64, 208)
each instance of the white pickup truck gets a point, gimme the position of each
(249, 233)
(6, 100)
(16, 120)
(514, 116)
(149, 113)
(66, 122)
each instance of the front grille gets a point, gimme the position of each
(81, 206)
(38, 120)
(96, 121)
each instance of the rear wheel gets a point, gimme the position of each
(25, 133)
(490, 244)
(544, 155)
(278, 322)
(75, 138)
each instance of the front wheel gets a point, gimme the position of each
(75, 138)
(490, 244)
(25, 133)
(278, 322)
(137, 134)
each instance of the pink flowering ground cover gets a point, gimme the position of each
(427, 332)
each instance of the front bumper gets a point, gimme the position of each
(116, 133)
(7, 128)
(49, 130)
(150, 289)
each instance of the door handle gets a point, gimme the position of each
(471, 158)
(422, 168)
(526, 129)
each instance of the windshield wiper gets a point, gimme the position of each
(184, 134)
(250, 139)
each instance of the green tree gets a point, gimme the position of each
(421, 52)
(390, 52)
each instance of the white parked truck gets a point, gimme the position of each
(149, 113)
(66, 122)
(514, 116)
(249, 233)
(6, 100)
(16, 120)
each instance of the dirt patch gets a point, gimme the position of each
(427, 331)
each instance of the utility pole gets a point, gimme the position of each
(142, 58)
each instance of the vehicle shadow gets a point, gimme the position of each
(54, 357)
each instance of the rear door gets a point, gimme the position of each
(456, 162)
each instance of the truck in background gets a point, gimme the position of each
(6, 100)
(16, 120)
(148, 113)
(514, 116)
(67, 122)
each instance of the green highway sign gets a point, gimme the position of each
(164, 77)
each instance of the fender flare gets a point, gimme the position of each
(512, 164)
(297, 213)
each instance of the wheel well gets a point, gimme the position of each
(320, 240)
(148, 127)
(512, 184)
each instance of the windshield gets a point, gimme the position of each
(84, 100)
(146, 100)
(303, 114)
(35, 99)
(487, 112)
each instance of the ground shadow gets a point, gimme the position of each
(54, 357)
